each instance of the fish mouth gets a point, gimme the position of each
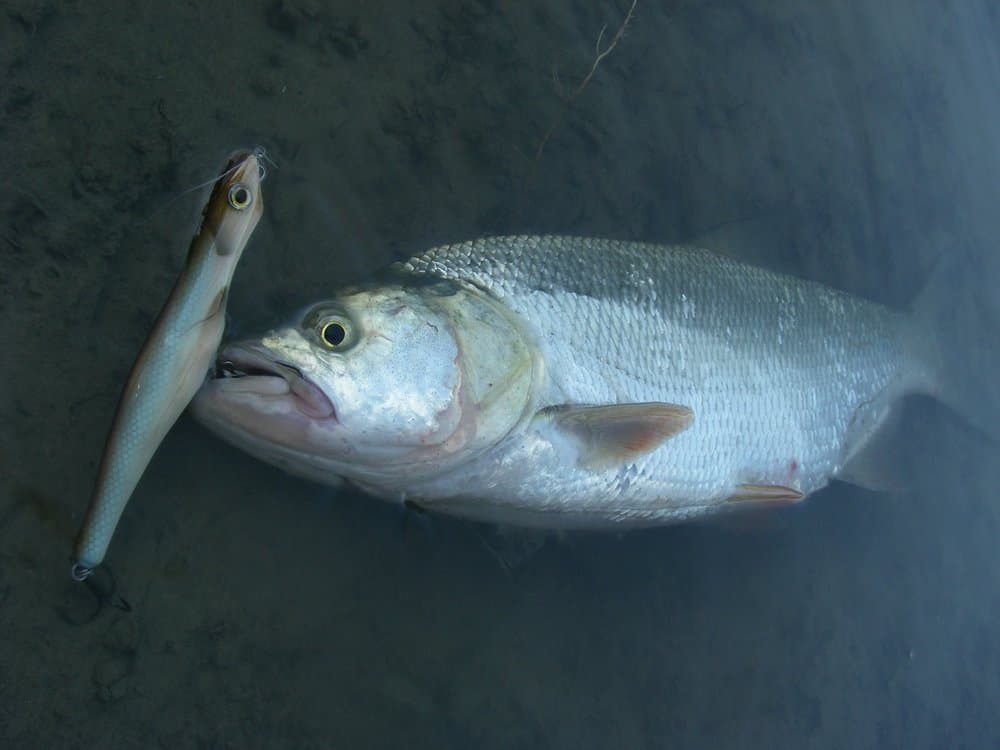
(250, 369)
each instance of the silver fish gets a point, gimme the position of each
(561, 382)
(177, 355)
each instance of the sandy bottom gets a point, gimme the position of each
(850, 142)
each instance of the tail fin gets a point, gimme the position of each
(953, 336)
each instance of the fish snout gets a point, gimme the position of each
(253, 368)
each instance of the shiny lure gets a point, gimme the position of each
(562, 382)
(177, 355)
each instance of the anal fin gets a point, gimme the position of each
(874, 463)
(765, 493)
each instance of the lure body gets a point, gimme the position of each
(177, 354)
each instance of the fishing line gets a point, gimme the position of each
(259, 152)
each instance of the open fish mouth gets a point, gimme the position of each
(249, 369)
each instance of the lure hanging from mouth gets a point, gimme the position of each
(178, 353)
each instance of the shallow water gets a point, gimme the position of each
(849, 142)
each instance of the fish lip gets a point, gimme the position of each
(253, 361)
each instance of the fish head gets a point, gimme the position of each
(378, 385)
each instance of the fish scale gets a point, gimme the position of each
(774, 367)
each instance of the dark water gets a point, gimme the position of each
(850, 142)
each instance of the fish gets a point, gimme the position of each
(178, 353)
(572, 383)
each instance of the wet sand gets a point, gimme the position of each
(852, 143)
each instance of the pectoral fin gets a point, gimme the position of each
(611, 435)
(765, 493)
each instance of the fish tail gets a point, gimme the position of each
(947, 336)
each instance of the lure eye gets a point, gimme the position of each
(334, 333)
(240, 196)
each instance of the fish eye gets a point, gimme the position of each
(240, 196)
(334, 333)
